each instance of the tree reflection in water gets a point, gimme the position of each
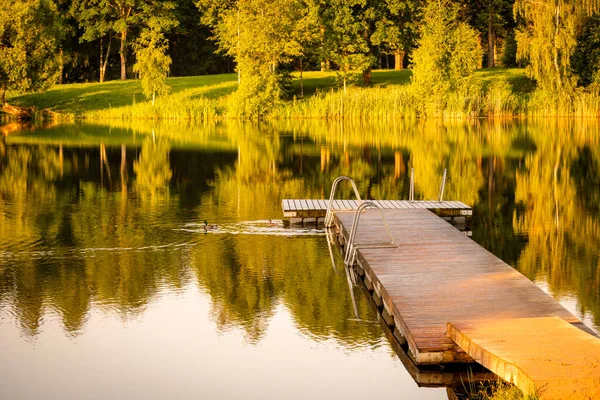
(91, 215)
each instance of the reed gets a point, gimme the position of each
(494, 93)
(504, 391)
(173, 107)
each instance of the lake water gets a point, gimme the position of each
(111, 288)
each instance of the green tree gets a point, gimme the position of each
(396, 30)
(260, 35)
(152, 62)
(448, 52)
(344, 41)
(99, 18)
(586, 59)
(548, 39)
(356, 32)
(493, 19)
(29, 37)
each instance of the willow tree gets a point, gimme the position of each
(549, 38)
(30, 31)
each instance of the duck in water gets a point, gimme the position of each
(208, 227)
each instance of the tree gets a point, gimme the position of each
(586, 58)
(152, 62)
(356, 32)
(29, 37)
(448, 51)
(104, 18)
(549, 37)
(396, 30)
(260, 35)
(190, 47)
(344, 40)
(493, 19)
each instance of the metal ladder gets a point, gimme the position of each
(411, 189)
(329, 215)
(352, 248)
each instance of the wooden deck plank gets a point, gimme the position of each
(309, 204)
(321, 205)
(437, 275)
(544, 356)
(338, 204)
(394, 204)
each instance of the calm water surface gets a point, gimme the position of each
(111, 288)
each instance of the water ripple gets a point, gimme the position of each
(258, 227)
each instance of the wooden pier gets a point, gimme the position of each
(445, 298)
(311, 211)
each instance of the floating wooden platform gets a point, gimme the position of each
(437, 275)
(544, 356)
(313, 211)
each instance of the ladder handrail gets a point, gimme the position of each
(350, 257)
(411, 189)
(329, 215)
(442, 186)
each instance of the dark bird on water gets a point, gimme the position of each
(208, 227)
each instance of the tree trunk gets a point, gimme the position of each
(301, 81)
(367, 76)
(480, 63)
(123, 52)
(61, 62)
(555, 49)
(491, 43)
(399, 59)
(104, 58)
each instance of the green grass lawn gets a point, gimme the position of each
(84, 98)
(79, 98)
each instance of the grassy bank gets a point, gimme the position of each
(494, 93)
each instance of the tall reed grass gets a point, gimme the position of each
(495, 99)
(174, 107)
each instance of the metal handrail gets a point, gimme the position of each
(442, 186)
(329, 215)
(350, 257)
(411, 189)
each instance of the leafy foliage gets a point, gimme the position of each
(152, 62)
(259, 35)
(344, 42)
(98, 18)
(586, 59)
(29, 34)
(548, 39)
(448, 52)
